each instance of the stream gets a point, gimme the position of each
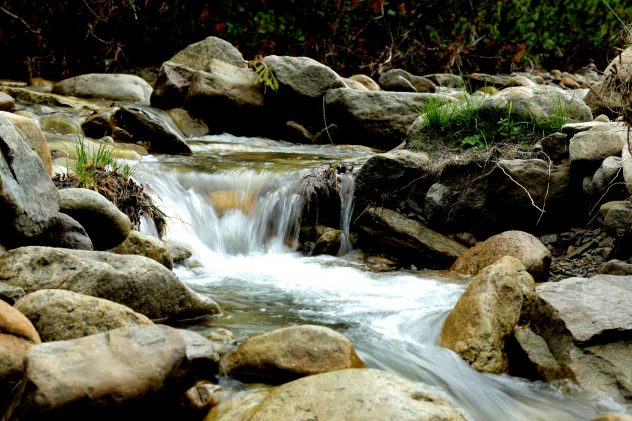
(246, 263)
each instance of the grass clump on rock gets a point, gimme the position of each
(101, 171)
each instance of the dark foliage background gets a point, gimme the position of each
(55, 39)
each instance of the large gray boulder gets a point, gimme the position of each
(108, 87)
(587, 325)
(172, 85)
(591, 147)
(105, 224)
(66, 232)
(28, 198)
(200, 55)
(59, 315)
(145, 126)
(292, 352)
(343, 395)
(525, 247)
(484, 317)
(377, 119)
(539, 101)
(138, 282)
(126, 373)
(406, 239)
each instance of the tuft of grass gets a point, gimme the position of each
(89, 164)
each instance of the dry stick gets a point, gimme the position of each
(325, 120)
(527, 191)
(14, 16)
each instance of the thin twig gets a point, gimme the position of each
(14, 16)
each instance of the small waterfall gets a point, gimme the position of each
(346, 186)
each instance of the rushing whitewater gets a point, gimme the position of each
(236, 203)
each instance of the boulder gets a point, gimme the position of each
(366, 81)
(7, 102)
(140, 283)
(10, 294)
(537, 357)
(172, 85)
(145, 126)
(200, 55)
(66, 232)
(525, 247)
(60, 123)
(483, 319)
(28, 198)
(448, 80)
(376, 119)
(188, 125)
(476, 81)
(105, 224)
(343, 395)
(31, 133)
(591, 147)
(146, 245)
(179, 251)
(107, 87)
(401, 80)
(60, 315)
(396, 180)
(607, 183)
(292, 352)
(354, 84)
(615, 267)
(555, 146)
(126, 373)
(224, 96)
(406, 239)
(328, 243)
(540, 102)
(586, 323)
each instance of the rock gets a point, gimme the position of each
(437, 203)
(448, 80)
(354, 84)
(292, 352)
(616, 222)
(140, 283)
(397, 180)
(99, 124)
(114, 87)
(612, 417)
(525, 247)
(66, 232)
(571, 129)
(146, 245)
(541, 102)
(126, 373)
(172, 85)
(475, 81)
(28, 198)
(200, 398)
(344, 395)
(203, 354)
(30, 132)
(406, 239)
(484, 317)
(555, 146)
(376, 119)
(145, 126)
(200, 55)
(10, 294)
(598, 143)
(366, 81)
(60, 123)
(179, 251)
(106, 226)
(227, 200)
(188, 125)
(61, 315)
(328, 243)
(602, 100)
(607, 183)
(7, 102)
(538, 356)
(626, 164)
(394, 79)
(224, 96)
(591, 308)
(47, 99)
(615, 267)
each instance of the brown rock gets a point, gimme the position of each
(12, 322)
(33, 135)
(7, 103)
(535, 257)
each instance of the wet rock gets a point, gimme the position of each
(179, 251)
(145, 126)
(538, 356)
(615, 267)
(188, 125)
(344, 395)
(200, 398)
(289, 353)
(528, 249)
(126, 373)
(406, 239)
(60, 315)
(484, 317)
(397, 180)
(60, 124)
(115, 87)
(28, 198)
(47, 99)
(141, 244)
(31, 133)
(200, 55)
(328, 243)
(106, 225)
(376, 119)
(140, 283)
(401, 80)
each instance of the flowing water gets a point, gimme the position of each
(235, 203)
